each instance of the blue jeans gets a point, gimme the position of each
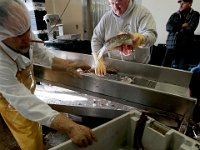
(196, 68)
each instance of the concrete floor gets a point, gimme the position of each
(51, 137)
(7, 141)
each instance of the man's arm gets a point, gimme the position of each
(69, 66)
(174, 23)
(190, 25)
(147, 28)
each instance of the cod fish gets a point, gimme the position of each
(116, 41)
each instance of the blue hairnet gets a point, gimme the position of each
(14, 18)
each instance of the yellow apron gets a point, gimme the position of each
(28, 134)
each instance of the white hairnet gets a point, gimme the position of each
(14, 18)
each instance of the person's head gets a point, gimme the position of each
(119, 6)
(15, 25)
(185, 5)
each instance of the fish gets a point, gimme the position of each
(115, 41)
(108, 70)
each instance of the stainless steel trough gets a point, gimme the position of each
(147, 87)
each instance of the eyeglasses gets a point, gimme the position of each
(116, 2)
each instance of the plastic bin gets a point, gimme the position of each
(120, 134)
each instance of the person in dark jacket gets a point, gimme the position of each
(180, 27)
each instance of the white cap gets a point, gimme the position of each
(14, 18)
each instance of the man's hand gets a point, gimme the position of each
(79, 65)
(69, 66)
(80, 135)
(76, 67)
(100, 67)
(185, 25)
(138, 40)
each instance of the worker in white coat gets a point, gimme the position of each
(21, 110)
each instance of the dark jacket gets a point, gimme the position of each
(177, 35)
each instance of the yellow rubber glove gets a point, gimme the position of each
(100, 67)
(138, 40)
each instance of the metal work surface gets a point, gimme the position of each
(93, 111)
(82, 108)
(146, 87)
(81, 104)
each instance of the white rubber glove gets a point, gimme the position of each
(100, 67)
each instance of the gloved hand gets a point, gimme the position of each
(79, 65)
(100, 67)
(75, 67)
(79, 134)
(69, 66)
(138, 40)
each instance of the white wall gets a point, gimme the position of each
(161, 10)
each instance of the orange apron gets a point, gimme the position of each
(28, 134)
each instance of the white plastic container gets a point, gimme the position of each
(118, 134)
